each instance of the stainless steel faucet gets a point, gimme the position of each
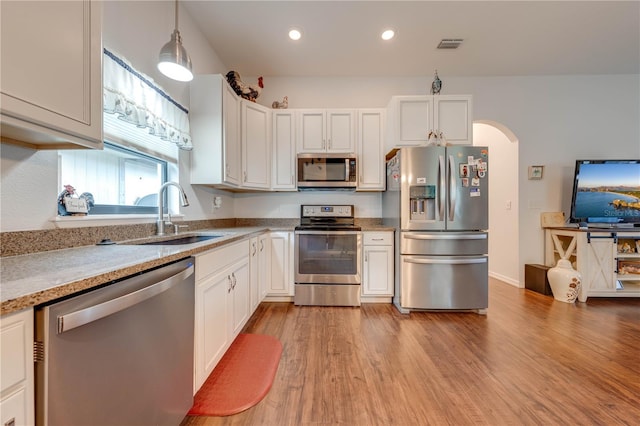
(183, 202)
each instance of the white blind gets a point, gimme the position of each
(139, 114)
(127, 135)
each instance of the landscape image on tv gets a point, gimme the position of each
(608, 191)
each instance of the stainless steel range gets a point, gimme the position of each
(328, 249)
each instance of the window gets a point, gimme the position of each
(121, 181)
(144, 131)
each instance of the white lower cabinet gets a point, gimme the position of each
(377, 266)
(258, 267)
(16, 375)
(264, 265)
(222, 304)
(281, 274)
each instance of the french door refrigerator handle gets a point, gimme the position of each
(93, 313)
(475, 236)
(453, 189)
(440, 202)
(445, 261)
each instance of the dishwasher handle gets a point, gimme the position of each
(93, 313)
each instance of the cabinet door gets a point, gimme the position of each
(254, 271)
(231, 136)
(311, 131)
(413, 119)
(453, 117)
(264, 265)
(377, 271)
(240, 298)
(283, 175)
(340, 131)
(16, 375)
(280, 278)
(256, 149)
(52, 73)
(599, 267)
(211, 330)
(371, 162)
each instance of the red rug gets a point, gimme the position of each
(241, 379)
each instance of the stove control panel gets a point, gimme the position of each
(326, 211)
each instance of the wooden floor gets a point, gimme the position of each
(530, 361)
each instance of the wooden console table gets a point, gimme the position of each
(607, 259)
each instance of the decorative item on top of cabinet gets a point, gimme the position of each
(413, 118)
(436, 85)
(249, 92)
(51, 95)
(281, 105)
(331, 130)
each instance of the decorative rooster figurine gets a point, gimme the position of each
(281, 105)
(246, 91)
(436, 86)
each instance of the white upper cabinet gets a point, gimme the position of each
(371, 161)
(256, 147)
(331, 130)
(51, 67)
(283, 176)
(414, 118)
(215, 132)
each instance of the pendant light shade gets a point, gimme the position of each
(174, 61)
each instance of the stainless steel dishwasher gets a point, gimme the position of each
(119, 355)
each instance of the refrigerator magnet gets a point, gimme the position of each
(475, 181)
(465, 182)
(481, 173)
(470, 159)
(464, 170)
(474, 192)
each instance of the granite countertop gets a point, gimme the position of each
(32, 279)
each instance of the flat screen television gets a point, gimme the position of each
(606, 192)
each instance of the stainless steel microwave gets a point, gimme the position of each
(329, 171)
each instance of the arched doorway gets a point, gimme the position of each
(504, 262)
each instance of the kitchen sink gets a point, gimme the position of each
(190, 239)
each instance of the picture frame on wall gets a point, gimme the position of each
(535, 172)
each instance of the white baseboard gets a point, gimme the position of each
(505, 279)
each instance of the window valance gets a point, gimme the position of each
(134, 98)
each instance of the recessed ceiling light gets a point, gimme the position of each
(295, 34)
(388, 34)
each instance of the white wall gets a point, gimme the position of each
(556, 119)
(503, 202)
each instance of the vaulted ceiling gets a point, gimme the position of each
(342, 38)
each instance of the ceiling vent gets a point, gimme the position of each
(450, 43)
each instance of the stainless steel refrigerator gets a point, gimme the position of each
(437, 199)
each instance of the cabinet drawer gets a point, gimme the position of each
(16, 339)
(377, 238)
(214, 260)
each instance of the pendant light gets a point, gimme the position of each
(174, 61)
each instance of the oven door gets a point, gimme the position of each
(327, 257)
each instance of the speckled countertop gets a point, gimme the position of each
(32, 279)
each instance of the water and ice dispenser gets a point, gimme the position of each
(422, 199)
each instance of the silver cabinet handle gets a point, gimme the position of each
(230, 285)
(445, 261)
(453, 189)
(84, 316)
(261, 245)
(445, 237)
